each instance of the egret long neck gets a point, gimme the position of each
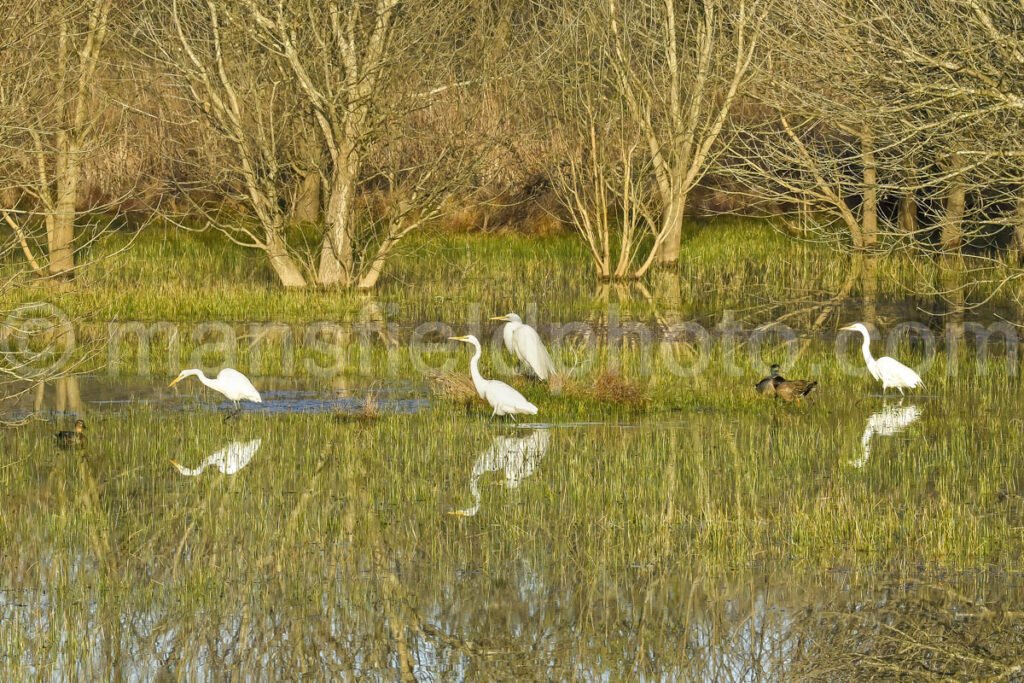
(201, 376)
(474, 371)
(474, 489)
(865, 349)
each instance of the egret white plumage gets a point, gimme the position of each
(229, 460)
(229, 382)
(504, 399)
(889, 371)
(516, 456)
(888, 421)
(523, 342)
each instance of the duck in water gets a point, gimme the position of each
(72, 439)
(787, 389)
(766, 387)
(794, 389)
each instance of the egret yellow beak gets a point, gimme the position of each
(176, 380)
(503, 318)
(847, 328)
(461, 339)
(456, 513)
(178, 466)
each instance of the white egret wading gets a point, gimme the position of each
(504, 399)
(230, 383)
(523, 342)
(889, 371)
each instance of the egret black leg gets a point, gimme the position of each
(234, 413)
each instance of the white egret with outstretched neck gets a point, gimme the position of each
(523, 342)
(230, 383)
(504, 399)
(889, 371)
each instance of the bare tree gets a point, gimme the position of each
(346, 85)
(960, 77)
(865, 105)
(680, 68)
(51, 83)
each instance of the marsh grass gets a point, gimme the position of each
(168, 274)
(669, 500)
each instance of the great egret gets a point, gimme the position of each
(517, 456)
(230, 459)
(886, 422)
(524, 343)
(889, 371)
(72, 439)
(766, 387)
(232, 384)
(504, 399)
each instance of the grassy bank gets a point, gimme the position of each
(741, 264)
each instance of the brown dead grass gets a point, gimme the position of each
(455, 387)
(609, 387)
(532, 209)
(370, 411)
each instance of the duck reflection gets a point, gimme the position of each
(517, 456)
(888, 421)
(229, 460)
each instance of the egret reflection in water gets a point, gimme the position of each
(888, 421)
(517, 456)
(229, 460)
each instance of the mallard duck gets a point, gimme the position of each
(72, 439)
(794, 389)
(766, 387)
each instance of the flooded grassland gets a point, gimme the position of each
(657, 519)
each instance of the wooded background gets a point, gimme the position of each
(322, 132)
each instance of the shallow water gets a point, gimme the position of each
(848, 537)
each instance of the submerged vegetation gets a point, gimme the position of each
(317, 521)
(676, 195)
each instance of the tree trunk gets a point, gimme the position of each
(373, 273)
(336, 253)
(61, 233)
(1018, 229)
(306, 201)
(907, 219)
(956, 200)
(306, 205)
(287, 271)
(869, 207)
(672, 231)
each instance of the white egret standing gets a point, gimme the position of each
(523, 342)
(232, 384)
(889, 371)
(504, 399)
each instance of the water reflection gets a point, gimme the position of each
(518, 456)
(229, 460)
(888, 421)
(66, 398)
